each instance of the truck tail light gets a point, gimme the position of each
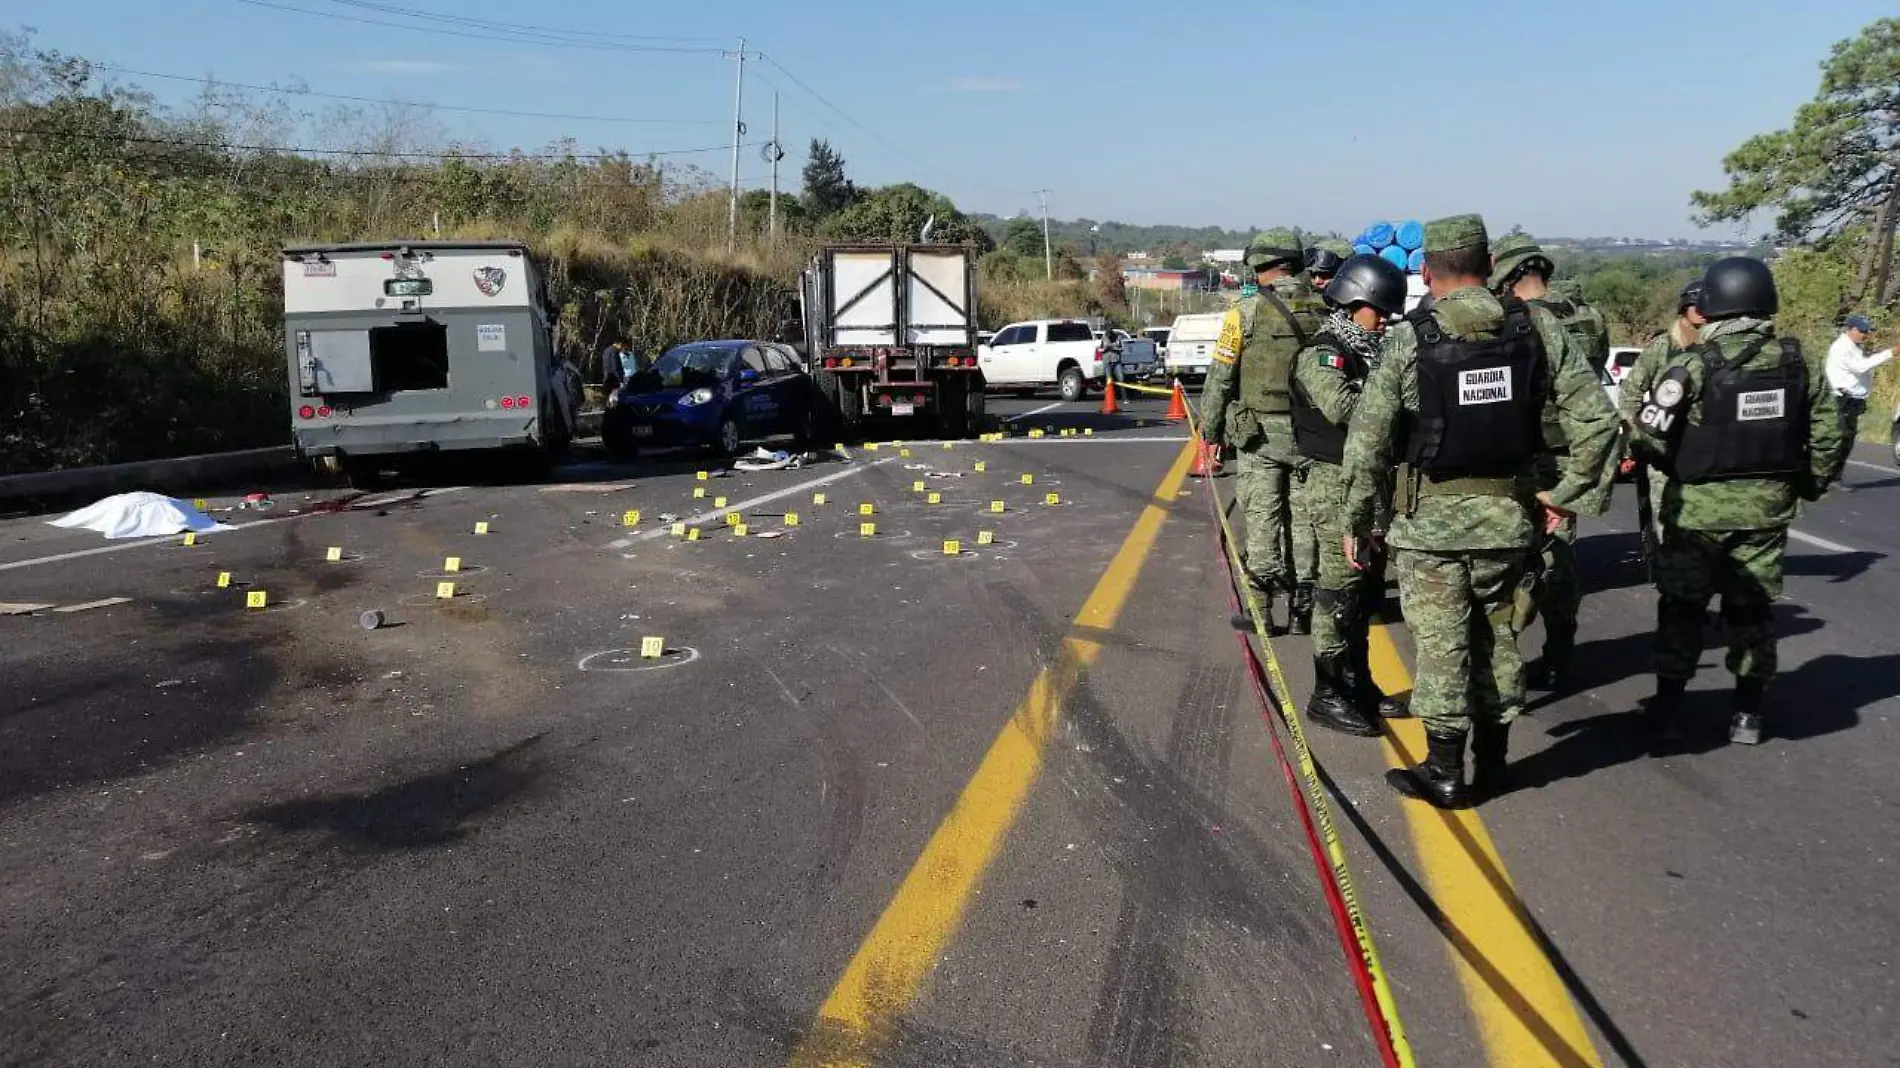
(523, 402)
(846, 362)
(508, 402)
(323, 411)
(919, 399)
(306, 412)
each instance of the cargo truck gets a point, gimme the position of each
(405, 349)
(890, 336)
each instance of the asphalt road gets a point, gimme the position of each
(877, 804)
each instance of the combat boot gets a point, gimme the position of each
(1371, 700)
(1745, 728)
(1300, 610)
(1490, 774)
(1552, 673)
(1665, 711)
(1264, 594)
(1440, 779)
(1331, 705)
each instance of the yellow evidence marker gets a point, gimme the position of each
(719, 502)
(444, 591)
(1052, 499)
(985, 537)
(917, 486)
(333, 554)
(702, 475)
(1029, 480)
(630, 518)
(699, 493)
(256, 599)
(452, 564)
(867, 530)
(190, 540)
(867, 508)
(818, 500)
(996, 507)
(679, 530)
(652, 647)
(739, 530)
(224, 580)
(952, 548)
(481, 527)
(981, 467)
(791, 519)
(693, 534)
(935, 498)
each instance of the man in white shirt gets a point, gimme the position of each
(1849, 374)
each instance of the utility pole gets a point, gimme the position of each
(777, 154)
(1048, 256)
(738, 131)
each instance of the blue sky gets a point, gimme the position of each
(1568, 119)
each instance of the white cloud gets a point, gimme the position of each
(985, 85)
(406, 66)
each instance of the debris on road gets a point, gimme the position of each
(370, 620)
(138, 515)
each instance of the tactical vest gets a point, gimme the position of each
(1313, 435)
(1586, 331)
(1270, 340)
(1754, 420)
(1481, 402)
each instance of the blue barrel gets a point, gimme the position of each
(1416, 261)
(1379, 234)
(1360, 248)
(1394, 255)
(1411, 235)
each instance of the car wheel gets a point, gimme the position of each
(1074, 386)
(730, 437)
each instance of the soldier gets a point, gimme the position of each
(1253, 362)
(1323, 261)
(1327, 378)
(1523, 270)
(1460, 391)
(1743, 424)
(1635, 387)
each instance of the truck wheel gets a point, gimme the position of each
(850, 412)
(977, 405)
(362, 474)
(556, 438)
(1074, 386)
(952, 408)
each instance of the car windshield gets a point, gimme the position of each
(687, 366)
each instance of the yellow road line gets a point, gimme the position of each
(887, 972)
(1524, 1015)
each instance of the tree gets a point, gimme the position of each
(1174, 262)
(898, 213)
(1836, 167)
(1023, 237)
(1110, 287)
(827, 190)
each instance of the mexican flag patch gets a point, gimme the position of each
(1333, 360)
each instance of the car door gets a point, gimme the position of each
(1001, 362)
(753, 391)
(789, 394)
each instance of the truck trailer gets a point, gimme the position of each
(404, 349)
(890, 335)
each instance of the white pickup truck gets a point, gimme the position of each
(1041, 353)
(1191, 344)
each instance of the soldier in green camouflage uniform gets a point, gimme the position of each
(1744, 424)
(1522, 269)
(1661, 350)
(1327, 378)
(1323, 260)
(1252, 367)
(1460, 391)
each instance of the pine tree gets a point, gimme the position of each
(827, 190)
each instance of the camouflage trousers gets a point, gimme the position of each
(1264, 490)
(1745, 568)
(1341, 602)
(1303, 529)
(1458, 606)
(1561, 592)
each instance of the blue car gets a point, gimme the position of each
(716, 394)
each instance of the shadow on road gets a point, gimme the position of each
(1837, 567)
(1607, 661)
(416, 813)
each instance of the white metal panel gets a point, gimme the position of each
(936, 292)
(341, 361)
(863, 298)
(353, 281)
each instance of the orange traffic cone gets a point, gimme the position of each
(1206, 462)
(1109, 407)
(1177, 404)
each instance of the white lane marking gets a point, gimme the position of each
(745, 505)
(1819, 543)
(89, 605)
(1875, 467)
(1036, 411)
(172, 539)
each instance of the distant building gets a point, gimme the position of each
(1190, 281)
(1139, 254)
(1224, 255)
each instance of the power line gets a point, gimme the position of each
(487, 24)
(509, 39)
(284, 150)
(402, 103)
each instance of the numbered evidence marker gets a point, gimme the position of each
(867, 530)
(917, 486)
(935, 498)
(739, 530)
(985, 537)
(1029, 480)
(981, 467)
(444, 591)
(190, 540)
(996, 507)
(630, 518)
(903, 454)
(200, 503)
(1052, 499)
(481, 527)
(224, 580)
(732, 519)
(791, 519)
(333, 554)
(257, 599)
(699, 493)
(693, 534)
(652, 647)
(702, 475)
(679, 530)
(867, 508)
(719, 502)
(452, 564)
(953, 548)
(818, 500)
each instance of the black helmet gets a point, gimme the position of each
(1323, 261)
(1691, 297)
(1738, 286)
(1370, 280)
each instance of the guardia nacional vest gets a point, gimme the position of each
(1754, 418)
(1481, 401)
(1586, 331)
(1313, 435)
(1269, 342)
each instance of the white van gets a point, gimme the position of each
(1191, 344)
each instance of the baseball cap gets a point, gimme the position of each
(1860, 323)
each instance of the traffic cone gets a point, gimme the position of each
(1206, 461)
(1177, 404)
(1109, 407)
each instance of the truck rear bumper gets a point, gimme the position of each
(395, 435)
